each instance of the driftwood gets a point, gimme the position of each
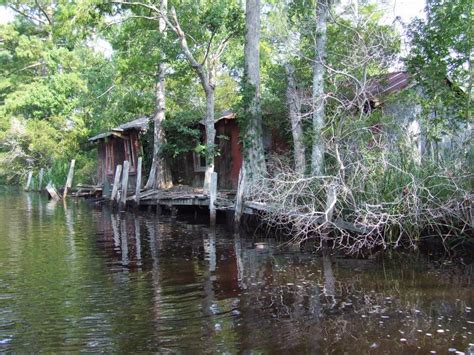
(87, 190)
(52, 192)
(252, 207)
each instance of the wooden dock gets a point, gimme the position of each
(184, 196)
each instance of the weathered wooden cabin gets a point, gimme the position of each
(117, 145)
(190, 169)
(123, 143)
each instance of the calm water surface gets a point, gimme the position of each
(78, 278)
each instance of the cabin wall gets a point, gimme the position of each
(186, 169)
(237, 157)
(229, 162)
(101, 168)
(114, 151)
(182, 171)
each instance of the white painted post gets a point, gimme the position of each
(118, 171)
(69, 178)
(138, 187)
(28, 181)
(239, 197)
(212, 198)
(123, 194)
(40, 179)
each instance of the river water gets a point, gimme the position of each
(79, 278)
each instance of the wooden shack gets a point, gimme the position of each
(117, 145)
(123, 143)
(190, 168)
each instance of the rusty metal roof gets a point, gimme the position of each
(140, 124)
(387, 84)
(225, 115)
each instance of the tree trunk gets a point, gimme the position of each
(294, 110)
(207, 78)
(210, 134)
(253, 140)
(160, 174)
(317, 154)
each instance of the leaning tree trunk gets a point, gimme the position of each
(317, 154)
(253, 140)
(160, 174)
(207, 79)
(294, 110)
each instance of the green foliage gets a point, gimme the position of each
(441, 50)
(56, 90)
(182, 134)
(44, 95)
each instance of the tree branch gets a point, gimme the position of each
(139, 4)
(44, 12)
(29, 17)
(208, 48)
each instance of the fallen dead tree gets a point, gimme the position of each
(356, 210)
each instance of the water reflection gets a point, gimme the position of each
(76, 278)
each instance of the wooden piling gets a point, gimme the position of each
(28, 181)
(212, 198)
(239, 198)
(138, 187)
(118, 171)
(207, 181)
(123, 194)
(174, 211)
(70, 175)
(40, 179)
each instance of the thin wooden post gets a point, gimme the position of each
(69, 178)
(212, 198)
(28, 181)
(123, 194)
(40, 179)
(239, 198)
(118, 171)
(138, 186)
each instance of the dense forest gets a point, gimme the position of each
(374, 160)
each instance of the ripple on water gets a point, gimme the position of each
(81, 279)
